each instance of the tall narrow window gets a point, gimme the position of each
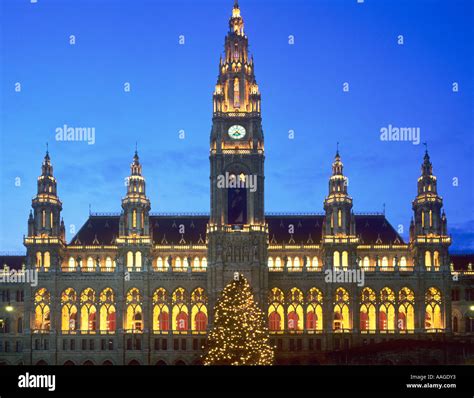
(134, 219)
(431, 218)
(138, 260)
(336, 259)
(236, 93)
(423, 219)
(339, 218)
(51, 219)
(345, 259)
(427, 259)
(43, 221)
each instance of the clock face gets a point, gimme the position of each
(236, 132)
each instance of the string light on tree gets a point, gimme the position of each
(239, 335)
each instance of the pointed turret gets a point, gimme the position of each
(134, 220)
(338, 204)
(427, 204)
(428, 230)
(46, 216)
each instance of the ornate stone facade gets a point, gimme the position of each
(139, 288)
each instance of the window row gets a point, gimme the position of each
(90, 313)
(133, 262)
(386, 311)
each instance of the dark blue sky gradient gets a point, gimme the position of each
(171, 90)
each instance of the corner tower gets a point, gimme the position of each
(237, 232)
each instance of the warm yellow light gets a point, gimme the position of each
(471, 307)
(9, 308)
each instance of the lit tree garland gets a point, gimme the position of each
(239, 335)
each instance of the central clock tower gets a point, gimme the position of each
(237, 232)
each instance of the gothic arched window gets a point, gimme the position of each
(368, 319)
(433, 316)
(134, 317)
(88, 311)
(68, 310)
(198, 310)
(295, 310)
(42, 303)
(341, 314)
(314, 310)
(406, 312)
(276, 312)
(180, 310)
(387, 309)
(107, 320)
(161, 314)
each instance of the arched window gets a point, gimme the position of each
(90, 264)
(134, 317)
(289, 263)
(47, 261)
(315, 262)
(204, 263)
(88, 311)
(39, 260)
(336, 259)
(180, 310)
(296, 263)
(109, 265)
(406, 312)
(431, 217)
(403, 262)
(278, 263)
(436, 259)
(199, 310)
(177, 264)
(367, 310)
(159, 264)
(384, 262)
(345, 259)
(433, 316)
(71, 264)
(138, 261)
(270, 263)
(130, 260)
(68, 310)
(161, 314)
(314, 310)
(107, 311)
(134, 217)
(185, 263)
(19, 325)
(295, 310)
(276, 313)
(42, 303)
(236, 93)
(339, 218)
(366, 262)
(428, 260)
(341, 318)
(387, 310)
(196, 263)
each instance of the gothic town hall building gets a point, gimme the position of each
(139, 288)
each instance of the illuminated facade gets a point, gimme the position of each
(139, 288)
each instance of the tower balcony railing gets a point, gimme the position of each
(238, 228)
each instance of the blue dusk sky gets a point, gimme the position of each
(171, 85)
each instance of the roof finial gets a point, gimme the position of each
(426, 147)
(236, 3)
(337, 148)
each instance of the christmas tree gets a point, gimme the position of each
(239, 335)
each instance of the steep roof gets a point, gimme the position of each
(461, 261)
(13, 262)
(103, 229)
